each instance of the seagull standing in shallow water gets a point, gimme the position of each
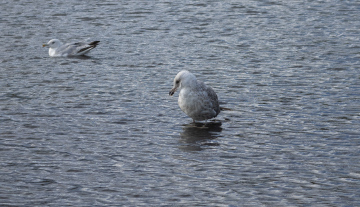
(58, 49)
(196, 99)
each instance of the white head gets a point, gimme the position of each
(183, 79)
(54, 43)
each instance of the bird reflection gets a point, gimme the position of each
(197, 135)
(82, 57)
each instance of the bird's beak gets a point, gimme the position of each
(172, 91)
(44, 45)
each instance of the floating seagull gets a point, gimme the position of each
(196, 99)
(58, 49)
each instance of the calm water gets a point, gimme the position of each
(102, 130)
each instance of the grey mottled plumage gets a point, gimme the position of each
(196, 99)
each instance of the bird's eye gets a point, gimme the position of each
(177, 82)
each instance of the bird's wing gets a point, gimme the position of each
(77, 48)
(86, 47)
(211, 95)
(68, 49)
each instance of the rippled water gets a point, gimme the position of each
(102, 130)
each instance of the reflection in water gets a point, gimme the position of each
(81, 57)
(197, 135)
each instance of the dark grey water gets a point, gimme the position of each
(102, 130)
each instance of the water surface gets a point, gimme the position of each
(102, 130)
